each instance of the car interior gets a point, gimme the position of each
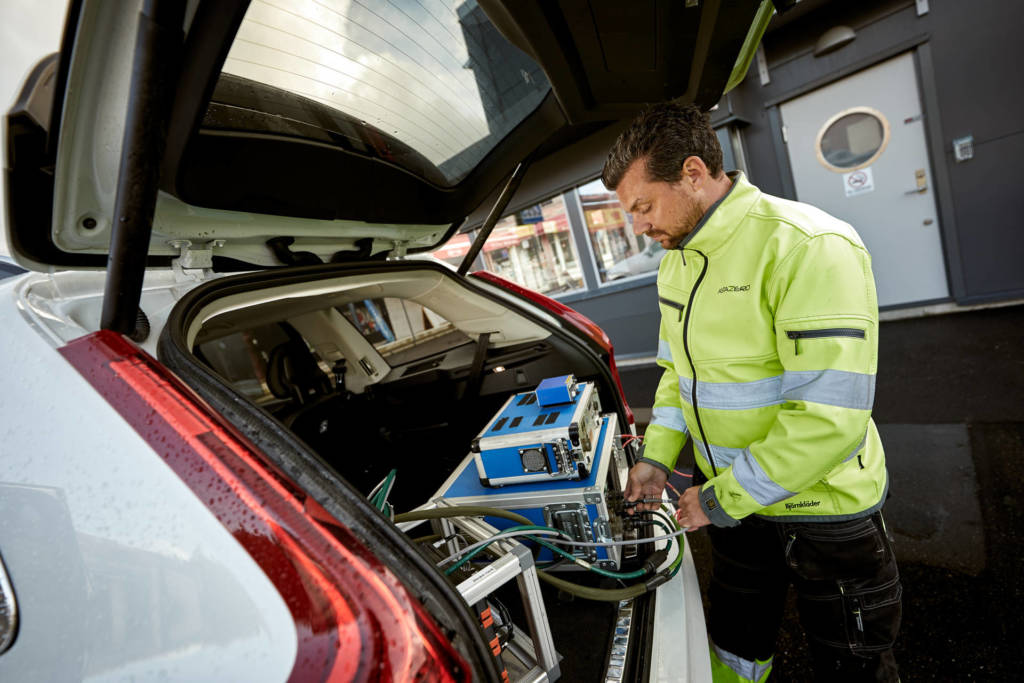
(376, 372)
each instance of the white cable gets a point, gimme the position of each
(558, 541)
(497, 536)
(387, 494)
(602, 544)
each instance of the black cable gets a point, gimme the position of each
(506, 618)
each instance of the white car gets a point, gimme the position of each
(641, 263)
(222, 348)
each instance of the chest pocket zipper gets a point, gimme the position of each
(672, 304)
(797, 335)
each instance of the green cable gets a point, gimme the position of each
(469, 556)
(429, 538)
(678, 561)
(381, 497)
(588, 593)
(635, 574)
(579, 590)
(460, 511)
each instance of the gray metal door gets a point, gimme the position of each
(857, 149)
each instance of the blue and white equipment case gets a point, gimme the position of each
(586, 510)
(541, 435)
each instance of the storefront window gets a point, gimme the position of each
(618, 253)
(454, 250)
(533, 248)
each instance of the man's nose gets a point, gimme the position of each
(639, 226)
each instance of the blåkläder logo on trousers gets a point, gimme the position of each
(734, 288)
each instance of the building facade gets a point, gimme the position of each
(903, 118)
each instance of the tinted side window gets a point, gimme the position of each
(402, 331)
(241, 358)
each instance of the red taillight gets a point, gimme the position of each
(581, 322)
(355, 621)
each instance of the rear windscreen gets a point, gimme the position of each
(433, 76)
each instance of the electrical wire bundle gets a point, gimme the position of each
(551, 538)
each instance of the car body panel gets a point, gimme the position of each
(229, 191)
(119, 570)
(679, 643)
(146, 514)
(89, 156)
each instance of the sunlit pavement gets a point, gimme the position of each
(950, 408)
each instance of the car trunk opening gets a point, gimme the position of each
(364, 369)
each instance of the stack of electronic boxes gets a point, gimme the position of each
(550, 456)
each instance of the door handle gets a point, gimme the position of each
(922, 182)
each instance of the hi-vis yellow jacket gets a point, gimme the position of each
(769, 338)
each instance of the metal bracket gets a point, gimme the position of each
(193, 264)
(400, 250)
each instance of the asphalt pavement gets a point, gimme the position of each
(949, 405)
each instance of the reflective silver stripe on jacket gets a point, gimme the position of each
(756, 482)
(723, 456)
(664, 351)
(733, 395)
(830, 387)
(669, 417)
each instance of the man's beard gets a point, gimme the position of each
(693, 217)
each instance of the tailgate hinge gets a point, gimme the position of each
(193, 264)
(399, 251)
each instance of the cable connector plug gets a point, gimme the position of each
(652, 583)
(655, 560)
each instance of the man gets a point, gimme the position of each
(768, 341)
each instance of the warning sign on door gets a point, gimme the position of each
(858, 182)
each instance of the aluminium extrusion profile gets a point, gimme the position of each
(514, 561)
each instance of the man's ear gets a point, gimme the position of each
(695, 173)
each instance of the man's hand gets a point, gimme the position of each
(689, 512)
(645, 481)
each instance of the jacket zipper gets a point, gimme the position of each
(797, 335)
(693, 369)
(673, 304)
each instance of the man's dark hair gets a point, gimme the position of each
(665, 135)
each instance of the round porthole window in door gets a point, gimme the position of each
(852, 139)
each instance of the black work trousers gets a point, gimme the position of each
(847, 584)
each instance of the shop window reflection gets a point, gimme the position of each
(618, 253)
(532, 247)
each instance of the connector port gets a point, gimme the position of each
(572, 519)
